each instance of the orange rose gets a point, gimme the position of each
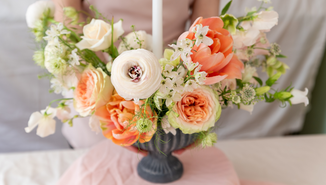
(197, 111)
(217, 60)
(118, 121)
(93, 90)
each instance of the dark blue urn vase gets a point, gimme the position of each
(160, 166)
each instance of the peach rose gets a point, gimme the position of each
(94, 89)
(217, 60)
(118, 121)
(197, 111)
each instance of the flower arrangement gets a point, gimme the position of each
(136, 95)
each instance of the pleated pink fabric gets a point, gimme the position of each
(110, 164)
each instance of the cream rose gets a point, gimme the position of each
(94, 89)
(131, 42)
(136, 74)
(97, 35)
(35, 12)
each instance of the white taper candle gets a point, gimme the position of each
(157, 28)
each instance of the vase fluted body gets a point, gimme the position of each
(160, 166)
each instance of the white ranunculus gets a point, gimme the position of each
(36, 11)
(45, 122)
(299, 97)
(136, 74)
(131, 42)
(265, 20)
(97, 35)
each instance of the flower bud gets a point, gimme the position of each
(271, 61)
(262, 90)
(282, 95)
(71, 13)
(144, 125)
(230, 23)
(209, 140)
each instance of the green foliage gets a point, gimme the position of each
(226, 7)
(271, 81)
(258, 80)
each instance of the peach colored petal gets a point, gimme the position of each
(211, 61)
(215, 47)
(233, 69)
(214, 79)
(221, 64)
(103, 113)
(183, 35)
(197, 21)
(226, 44)
(214, 23)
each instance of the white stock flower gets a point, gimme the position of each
(182, 48)
(55, 32)
(148, 77)
(299, 97)
(131, 42)
(44, 121)
(35, 12)
(167, 127)
(200, 34)
(97, 35)
(94, 124)
(74, 58)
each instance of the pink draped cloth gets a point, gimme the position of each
(110, 164)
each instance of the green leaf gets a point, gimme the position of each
(280, 56)
(271, 81)
(226, 7)
(239, 83)
(258, 80)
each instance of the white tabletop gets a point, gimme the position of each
(299, 160)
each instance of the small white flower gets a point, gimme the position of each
(166, 85)
(181, 71)
(182, 48)
(200, 34)
(168, 71)
(190, 65)
(94, 124)
(177, 84)
(200, 76)
(247, 93)
(54, 32)
(74, 58)
(63, 83)
(36, 11)
(299, 97)
(167, 127)
(56, 85)
(172, 96)
(44, 121)
(190, 85)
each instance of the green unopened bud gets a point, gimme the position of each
(70, 123)
(271, 61)
(144, 125)
(209, 140)
(273, 79)
(282, 95)
(262, 90)
(71, 13)
(277, 64)
(38, 57)
(230, 22)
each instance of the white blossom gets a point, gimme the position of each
(200, 76)
(182, 48)
(167, 127)
(166, 85)
(94, 124)
(181, 71)
(168, 71)
(299, 97)
(74, 58)
(177, 84)
(54, 32)
(190, 65)
(63, 112)
(172, 96)
(200, 34)
(44, 120)
(190, 85)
